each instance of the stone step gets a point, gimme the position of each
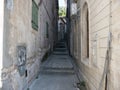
(60, 56)
(60, 48)
(61, 53)
(57, 70)
(61, 43)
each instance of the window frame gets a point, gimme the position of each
(85, 32)
(47, 30)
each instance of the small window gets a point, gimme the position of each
(47, 30)
(87, 20)
(34, 15)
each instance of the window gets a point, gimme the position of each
(47, 28)
(34, 15)
(87, 20)
(85, 34)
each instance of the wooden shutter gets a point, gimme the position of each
(34, 15)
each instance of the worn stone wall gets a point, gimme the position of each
(49, 15)
(103, 18)
(1, 37)
(18, 31)
(115, 29)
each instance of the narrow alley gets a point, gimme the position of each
(59, 44)
(57, 72)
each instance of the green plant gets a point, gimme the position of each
(37, 77)
(45, 56)
(81, 85)
(62, 11)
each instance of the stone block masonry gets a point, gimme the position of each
(103, 18)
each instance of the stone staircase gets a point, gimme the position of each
(58, 62)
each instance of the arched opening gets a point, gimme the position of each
(85, 30)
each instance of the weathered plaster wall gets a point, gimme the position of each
(18, 31)
(48, 15)
(115, 29)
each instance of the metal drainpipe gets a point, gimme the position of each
(109, 53)
(106, 72)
